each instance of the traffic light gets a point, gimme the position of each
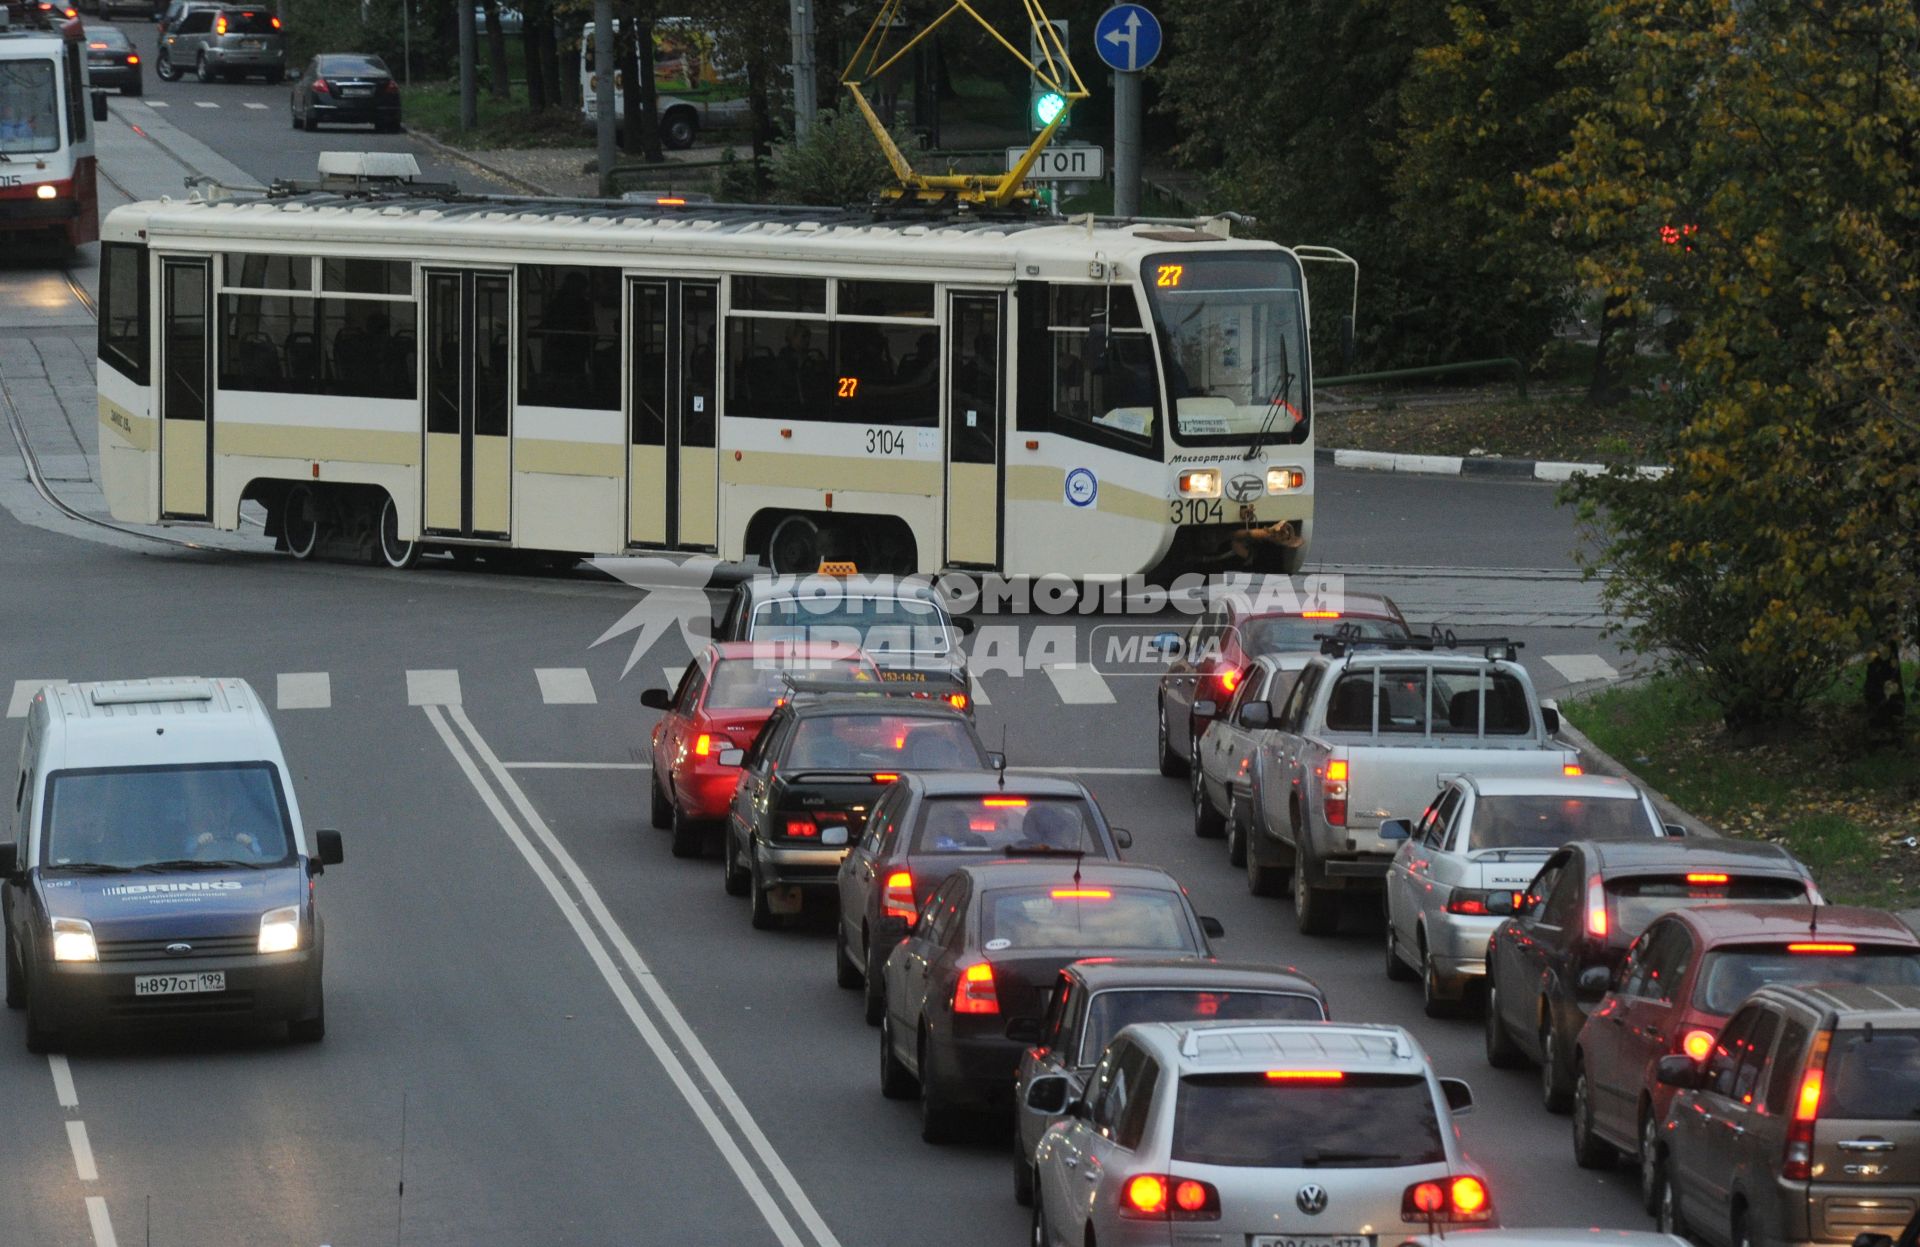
(1046, 100)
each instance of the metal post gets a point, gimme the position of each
(406, 37)
(1126, 144)
(603, 92)
(469, 86)
(806, 95)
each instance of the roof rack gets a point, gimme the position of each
(1190, 1042)
(1348, 637)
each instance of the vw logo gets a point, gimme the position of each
(1312, 1199)
(1245, 487)
(179, 950)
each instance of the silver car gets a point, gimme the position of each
(1478, 837)
(225, 43)
(1223, 755)
(1256, 1134)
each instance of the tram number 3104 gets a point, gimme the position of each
(1194, 511)
(886, 442)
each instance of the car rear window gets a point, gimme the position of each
(1274, 634)
(1096, 917)
(1873, 1075)
(352, 65)
(249, 22)
(1729, 975)
(1002, 821)
(1363, 1121)
(1417, 700)
(1120, 1007)
(880, 625)
(106, 38)
(883, 742)
(1540, 822)
(759, 684)
(135, 816)
(1639, 899)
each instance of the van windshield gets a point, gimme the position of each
(132, 817)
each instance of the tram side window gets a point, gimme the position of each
(268, 343)
(350, 276)
(570, 336)
(257, 271)
(124, 294)
(371, 347)
(1086, 365)
(76, 94)
(777, 368)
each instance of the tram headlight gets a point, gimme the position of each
(1285, 480)
(1203, 483)
(47, 191)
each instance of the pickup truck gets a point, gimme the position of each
(1369, 732)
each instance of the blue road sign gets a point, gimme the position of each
(1127, 37)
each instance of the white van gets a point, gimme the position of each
(694, 87)
(153, 866)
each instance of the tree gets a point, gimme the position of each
(499, 81)
(838, 163)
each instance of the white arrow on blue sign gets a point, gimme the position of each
(1127, 37)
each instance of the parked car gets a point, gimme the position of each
(1364, 732)
(112, 62)
(172, 12)
(929, 824)
(1553, 959)
(1802, 1125)
(1681, 979)
(345, 88)
(1274, 1133)
(224, 42)
(1223, 758)
(1094, 999)
(1478, 837)
(986, 948)
(1206, 664)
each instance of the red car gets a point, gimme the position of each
(1681, 981)
(1205, 664)
(724, 699)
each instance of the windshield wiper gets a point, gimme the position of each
(194, 863)
(1274, 405)
(92, 868)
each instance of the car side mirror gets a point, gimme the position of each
(1049, 1092)
(1396, 829)
(1870, 1239)
(1122, 838)
(1212, 926)
(1678, 1070)
(1168, 643)
(996, 760)
(1256, 714)
(657, 699)
(1459, 1095)
(1024, 1030)
(9, 860)
(732, 757)
(1078, 1109)
(1504, 904)
(99, 105)
(1593, 982)
(1205, 709)
(327, 848)
(963, 625)
(1550, 716)
(1678, 829)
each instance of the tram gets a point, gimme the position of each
(413, 369)
(47, 115)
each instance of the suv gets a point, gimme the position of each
(1260, 1133)
(224, 43)
(1803, 1123)
(1682, 978)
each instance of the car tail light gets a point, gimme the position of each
(1081, 894)
(975, 992)
(1336, 794)
(1842, 950)
(802, 828)
(1004, 803)
(276, 23)
(702, 745)
(1163, 1197)
(897, 900)
(320, 85)
(1470, 902)
(1572, 768)
(132, 60)
(1305, 1075)
(1697, 1044)
(1596, 908)
(391, 87)
(1319, 614)
(1452, 1200)
(1796, 1165)
(885, 777)
(1229, 679)
(957, 700)
(219, 25)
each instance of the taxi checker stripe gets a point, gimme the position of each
(596, 947)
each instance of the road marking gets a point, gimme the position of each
(205, 104)
(577, 766)
(23, 691)
(1581, 668)
(979, 690)
(1079, 685)
(687, 1041)
(565, 686)
(1085, 770)
(158, 104)
(101, 1222)
(63, 1081)
(82, 1151)
(433, 688)
(304, 690)
(261, 107)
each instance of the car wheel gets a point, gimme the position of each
(1556, 1090)
(1397, 969)
(1435, 1004)
(845, 972)
(735, 879)
(1236, 832)
(1666, 1207)
(662, 808)
(1502, 1052)
(1207, 823)
(1316, 911)
(689, 835)
(1741, 1236)
(1022, 1172)
(16, 986)
(1651, 1163)
(940, 1119)
(201, 69)
(1037, 1228)
(1590, 1151)
(165, 69)
(678, 129)
(1261, 880)
(876, 985)
(764, 919)
(393, 552)
(1170, 764)
(896, 1083)
(309, 1029)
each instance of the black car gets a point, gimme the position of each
(927, 826)
(983, 956)
(346, 88)
(112, 62)
(1554, 958)
(814, 772)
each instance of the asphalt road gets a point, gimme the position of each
(579, 1037)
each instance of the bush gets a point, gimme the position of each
(840, 162)
(316, 26)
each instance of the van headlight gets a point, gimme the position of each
(280, 930)
(73, 940)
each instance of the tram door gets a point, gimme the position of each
(976, 399)
(469, 346)
(673, 367)
(186, 391)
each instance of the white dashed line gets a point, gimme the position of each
(205, 104)
(63, 1081)
(158, 104)
(433, 688)
(565, 686)
(304, 690)
(1581, 668)
(1079, 685)
(261, 107)
(82, 1151)
(101, 1222)
(23, 691)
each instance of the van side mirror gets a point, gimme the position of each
(328, 848)
(1396, 829)
(1678, 1070)
(1024, 1030)
(1048, 1093)
(1674, 829)
(1459, 1095)
(1550, 716)
(1122, 838)
(1212, 926)
(99, 105)
(9, 860)
(1256, 715)
(1593, 983)
(657, 699)
(732, 757)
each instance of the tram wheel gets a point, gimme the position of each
(794, 545)
(388, 547)
(301, 522)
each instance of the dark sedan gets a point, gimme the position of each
(346, 88)
(927, 826)
(112, 62)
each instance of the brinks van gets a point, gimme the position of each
(155, 867)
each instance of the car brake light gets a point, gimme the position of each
(1081, 894)
(1319, 614)
(1469, 1195)
(897, 900)
(1336, 794)
(975, 992)
(391, 87)
(1705, 877)
(900, 742)
(1004, 803)
(1840, 949)
(703, 745)
(1471, 903)
(885, 777)
(1596, 908)
(320, 85)
(1305, 1075)
(1572, 768)
(1146, 1195)
(276, 23)
(1797, 1163)
(957, 700)
(1229, 680)
(220, 26)
(1697, 1044)
(802, 829)
(1161, 1197)
(133, 60)
(1461, 1199)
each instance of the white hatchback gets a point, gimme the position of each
(1303, 1134)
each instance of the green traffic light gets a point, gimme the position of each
(1048, 106)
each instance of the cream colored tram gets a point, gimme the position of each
(398, 372)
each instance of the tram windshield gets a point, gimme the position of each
(1232, 329)
(29, 108)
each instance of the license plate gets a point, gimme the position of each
(253, 45)
(179, 984)
(356, 90)
(1312, 1240)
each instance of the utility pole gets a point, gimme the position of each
(806, 92)
(469, 85)
(1126, 143)
(602, 88)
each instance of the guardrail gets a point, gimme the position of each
(1503, 364)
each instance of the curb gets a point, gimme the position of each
(1482, 466)
(460, 154)
(1598, 759)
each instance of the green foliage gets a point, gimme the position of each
(315, 26)
(839, 162)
